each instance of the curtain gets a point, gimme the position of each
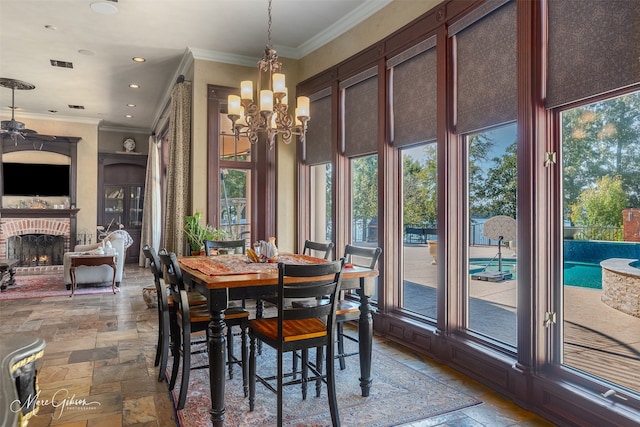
(178, 168)
(151, 218)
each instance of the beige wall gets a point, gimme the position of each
(378, 26)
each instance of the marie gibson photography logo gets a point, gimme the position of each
(60, 399)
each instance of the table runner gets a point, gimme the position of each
(224, 265)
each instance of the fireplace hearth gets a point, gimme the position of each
(53, 228)
(35, 250)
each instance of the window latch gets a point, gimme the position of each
(549, 318)
(549, 158)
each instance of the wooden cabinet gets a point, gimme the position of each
(121, 180)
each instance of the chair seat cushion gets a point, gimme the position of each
(293, 330)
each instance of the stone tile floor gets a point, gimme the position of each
(101, 348)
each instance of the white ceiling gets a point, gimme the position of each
(160, 31)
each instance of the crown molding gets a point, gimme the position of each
(340, 27)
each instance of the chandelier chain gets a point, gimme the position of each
(269, 27)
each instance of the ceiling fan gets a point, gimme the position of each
(13, 128)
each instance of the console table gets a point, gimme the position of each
(92, 260)
(18, 385)
(7, 271)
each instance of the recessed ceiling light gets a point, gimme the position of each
(131, 105)
(138, 59)
(128, 116)
(50, 27)
(104, 7)
(86, 52)
(134, 86)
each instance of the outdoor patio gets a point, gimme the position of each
(598, 339)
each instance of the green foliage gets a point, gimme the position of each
(420, 188)
(500, 188)
(365, 187)
(600, 206)
(602, 139)
(196, 233)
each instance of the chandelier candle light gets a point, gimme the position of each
(269, 115)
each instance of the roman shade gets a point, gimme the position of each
(360, 113)
(486, 80)
(317, 146)
(594, 48)
(412, 94)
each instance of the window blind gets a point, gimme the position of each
(594, 47)
(413, 90)
(318, 139)
(360, 114)
(486, 69)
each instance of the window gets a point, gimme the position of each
(321, 195)
(601, 209)
(492, 261)
(419, 224)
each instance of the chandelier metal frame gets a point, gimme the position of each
(269, 115)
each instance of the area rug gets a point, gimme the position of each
(399, 395)
(49, 285)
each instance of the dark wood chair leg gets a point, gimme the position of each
(230, 351)
(340, 333)
(245, 360)
(319, 358)
(252, 373)
(186, 365)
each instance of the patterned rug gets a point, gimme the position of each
(399, 395)
(49, 285)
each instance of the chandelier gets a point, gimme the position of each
(268, 115)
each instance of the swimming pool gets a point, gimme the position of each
(582, 274)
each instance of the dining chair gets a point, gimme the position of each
(192, 319)
(300, 329)
(209, 245)
(162, 348)
(349, 309)
(324, 249)
(165, 310)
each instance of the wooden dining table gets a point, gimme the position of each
(223, 278)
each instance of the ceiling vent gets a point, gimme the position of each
(61, 64)
(76, 107)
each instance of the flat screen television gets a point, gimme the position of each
(35, 179)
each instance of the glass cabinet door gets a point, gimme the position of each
(136, 199)
(113, 204)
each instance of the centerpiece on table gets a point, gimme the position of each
(263, 251)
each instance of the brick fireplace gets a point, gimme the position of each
(43, 223)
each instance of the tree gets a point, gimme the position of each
(600, 206)
(602, 139)
(364, 188)
(479, 147)
(500, 188)
(420, 188)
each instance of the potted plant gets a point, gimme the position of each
(195, 232)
